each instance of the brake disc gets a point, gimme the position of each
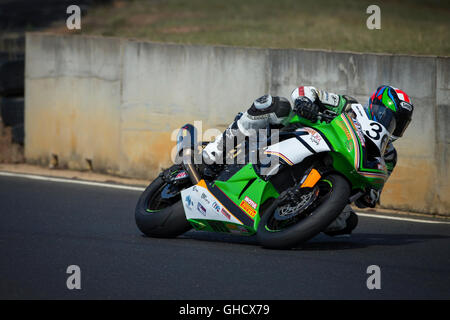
(296, 204)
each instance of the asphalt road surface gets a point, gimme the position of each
(47, 226)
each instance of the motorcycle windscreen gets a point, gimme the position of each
(372, 130)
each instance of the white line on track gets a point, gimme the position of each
(400, 218)
(83, 182)
(124, 187)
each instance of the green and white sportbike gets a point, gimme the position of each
(321, 167)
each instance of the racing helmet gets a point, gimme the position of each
(392, 108)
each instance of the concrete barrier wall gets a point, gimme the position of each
(116, 102)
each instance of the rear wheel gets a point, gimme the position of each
(298, 215)
(159, 211)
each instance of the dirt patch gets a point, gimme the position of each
(9, 152)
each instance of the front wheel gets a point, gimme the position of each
(159, 211)
(287, 223)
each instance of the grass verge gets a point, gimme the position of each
(407, 26)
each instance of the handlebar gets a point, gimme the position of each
(325, 116)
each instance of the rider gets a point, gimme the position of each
(388, 105)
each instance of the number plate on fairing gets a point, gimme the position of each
(372, 130)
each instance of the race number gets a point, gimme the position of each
(375, 131)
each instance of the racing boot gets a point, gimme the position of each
(214, 152)
(344, 224)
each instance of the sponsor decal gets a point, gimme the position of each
(349, 145)
(259, 117)
(216, 206)
(189, 202)
(344, 128)
(359, 132)
(323, 95)
(311, 131)
(201, 209)
(406, 105)
(251, 202)
(328, 98)
(248, 209)
(315, 136)
(181, 175)
(349, 142)
(205, 198)
(249, 206)
(225, 213)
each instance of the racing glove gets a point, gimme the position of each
(306, 108)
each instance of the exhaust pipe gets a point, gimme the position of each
(186, 142)
(190, 167)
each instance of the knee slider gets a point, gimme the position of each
(266, 105)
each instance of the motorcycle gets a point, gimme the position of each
(321, 167)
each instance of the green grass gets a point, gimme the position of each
(407, 26)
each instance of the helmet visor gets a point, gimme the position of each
(384, 116)
(404, 115)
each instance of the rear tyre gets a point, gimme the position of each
(154, 218)
(330, 206)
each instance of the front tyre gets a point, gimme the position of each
(157, 216)
(282, 227)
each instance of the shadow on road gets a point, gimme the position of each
(364, 240)
(324, 242)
